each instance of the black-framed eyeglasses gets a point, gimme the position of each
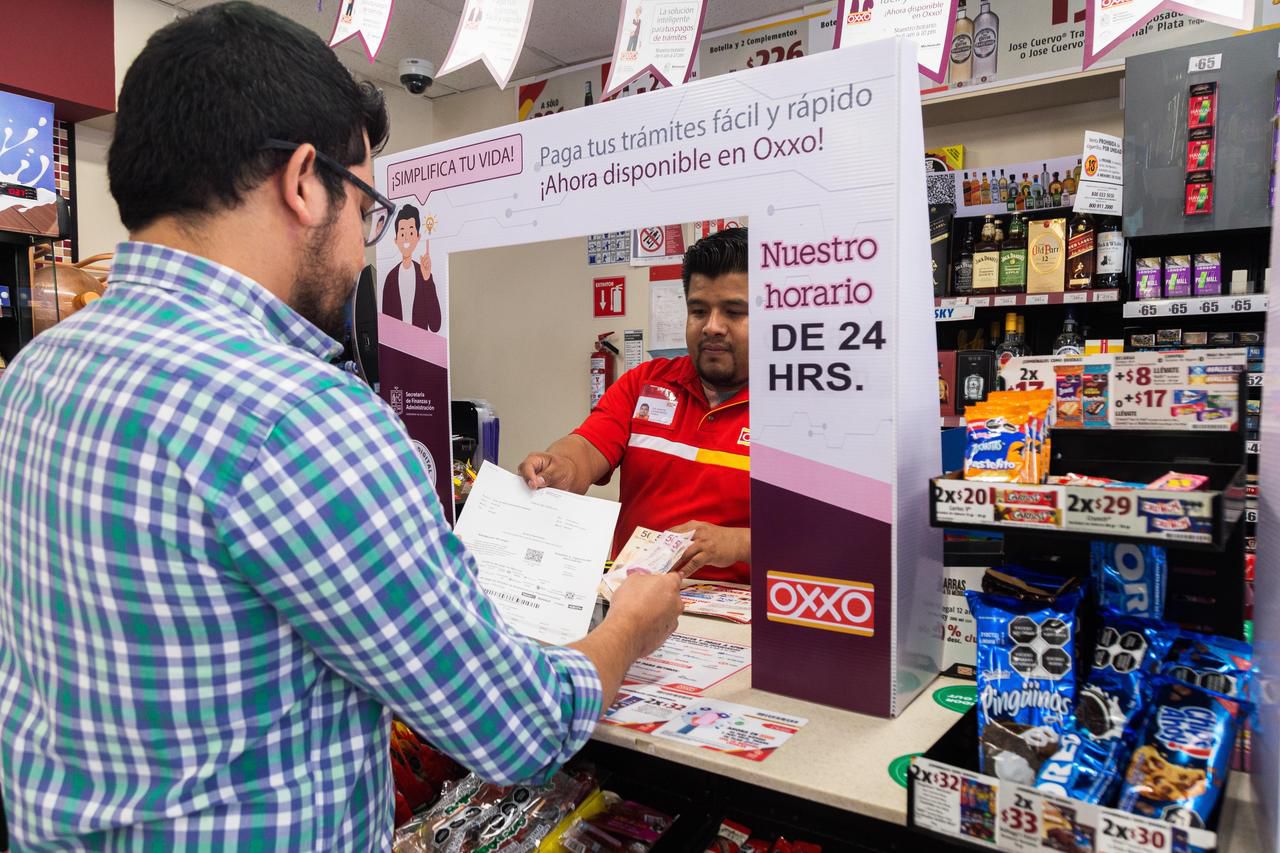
(376, 218)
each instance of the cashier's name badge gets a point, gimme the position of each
(656, 405)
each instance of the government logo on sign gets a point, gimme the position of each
(822, 603)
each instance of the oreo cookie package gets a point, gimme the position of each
(1127, 655)
(1219, 664)
(1179, 769)
(1130, 578)
(1026, 680)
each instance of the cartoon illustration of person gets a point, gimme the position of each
(409, 291)
(477, 13)
(634, 41)
(346, 16)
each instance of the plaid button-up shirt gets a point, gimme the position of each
(222, 567)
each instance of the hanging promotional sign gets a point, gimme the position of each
(368, 19)
(842, 363)
(1108, 22)
(1045, 39)
(930, 25)
(658, 37)
(756, 45)
(492, 31)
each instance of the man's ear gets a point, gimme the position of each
(301, 190)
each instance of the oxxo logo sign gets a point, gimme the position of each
(823, 603)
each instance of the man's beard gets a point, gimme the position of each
(321, 289)
(719, 374)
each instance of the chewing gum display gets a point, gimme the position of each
(1026, 681)
(1179, 769)
(1130, 578)
(1127, 655)
(1069, 410)
(1096, 395)
(1220, 664)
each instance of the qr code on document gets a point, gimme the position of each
(532, 556)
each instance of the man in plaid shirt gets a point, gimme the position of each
(222, 566)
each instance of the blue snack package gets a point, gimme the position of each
(1026, 680)
(1130, 578)
(1219, 664)
(1083, 768)
(1128, 654)
(1179, 769)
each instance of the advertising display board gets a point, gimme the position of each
(823, 155)
(27, 189)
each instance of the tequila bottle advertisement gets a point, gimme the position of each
(1006, 40)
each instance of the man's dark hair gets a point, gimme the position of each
(408, 212)
(205, 94)
(715, 255)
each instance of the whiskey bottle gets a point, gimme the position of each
(986, 259)
(1055, 191)
(986, 190)
(1110, 254)
(962, 269)
(1004, 186)
(1080, 253)
(1013, 259)
(588, 100)
(1010, 347)
(1069, 341)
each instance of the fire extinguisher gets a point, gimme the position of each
(602, 366)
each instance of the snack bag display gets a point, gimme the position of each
(1026, 680)
(1179, 768)
(997, 443)
(620, 827)
(1130, 578)
(1220, 664)
(1127, 656)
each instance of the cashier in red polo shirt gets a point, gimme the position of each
(678, 427)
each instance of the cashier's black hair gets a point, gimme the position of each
(408, 212)
(209, 90)
(713, 256)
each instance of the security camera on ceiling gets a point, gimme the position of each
(417, 75)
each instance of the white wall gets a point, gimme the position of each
(521, 334)
(1055, 131)
(100, 229)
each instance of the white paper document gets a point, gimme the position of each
(688, 664)
(540, 554)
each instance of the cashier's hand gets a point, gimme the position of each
(714, 546)
(647, 609)
(548, 470)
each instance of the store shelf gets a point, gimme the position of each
(996, 815)
(1201, 519)
(839, 758)
(1016, 96)
(951, 421)
(1024, 300)
(1147, 309)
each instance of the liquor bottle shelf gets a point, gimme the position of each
(1016, 300)
(1146, 309)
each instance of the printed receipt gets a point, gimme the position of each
(540, 554)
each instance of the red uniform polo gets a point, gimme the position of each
(681, 459)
